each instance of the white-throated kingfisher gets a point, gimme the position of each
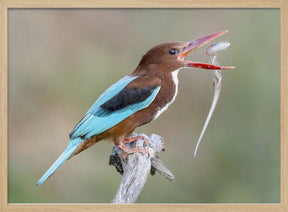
(134, 100)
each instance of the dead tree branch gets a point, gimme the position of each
(135, 167)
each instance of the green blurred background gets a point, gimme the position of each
(61, 60)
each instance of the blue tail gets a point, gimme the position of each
(72, 146)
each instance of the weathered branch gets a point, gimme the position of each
(135, 167)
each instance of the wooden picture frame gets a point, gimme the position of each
(6, 4)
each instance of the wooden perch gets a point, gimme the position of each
(135, 167)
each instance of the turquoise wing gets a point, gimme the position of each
(98, 120)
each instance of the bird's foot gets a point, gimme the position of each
(131, 139)
(129, 150)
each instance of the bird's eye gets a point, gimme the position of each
(173, 51)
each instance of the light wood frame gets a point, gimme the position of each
(6, 4)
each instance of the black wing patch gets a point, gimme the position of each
(126, 97)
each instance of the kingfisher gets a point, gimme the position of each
(134, 100)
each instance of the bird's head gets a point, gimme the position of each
(171, 55)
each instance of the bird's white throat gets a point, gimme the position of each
(175, 80)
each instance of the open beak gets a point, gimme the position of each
(194, 44)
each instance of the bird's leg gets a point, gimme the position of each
(128, 150)
(131, 139)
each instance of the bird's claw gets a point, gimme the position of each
(128, 151)
(138, 149)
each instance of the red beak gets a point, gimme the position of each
(194, 44)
